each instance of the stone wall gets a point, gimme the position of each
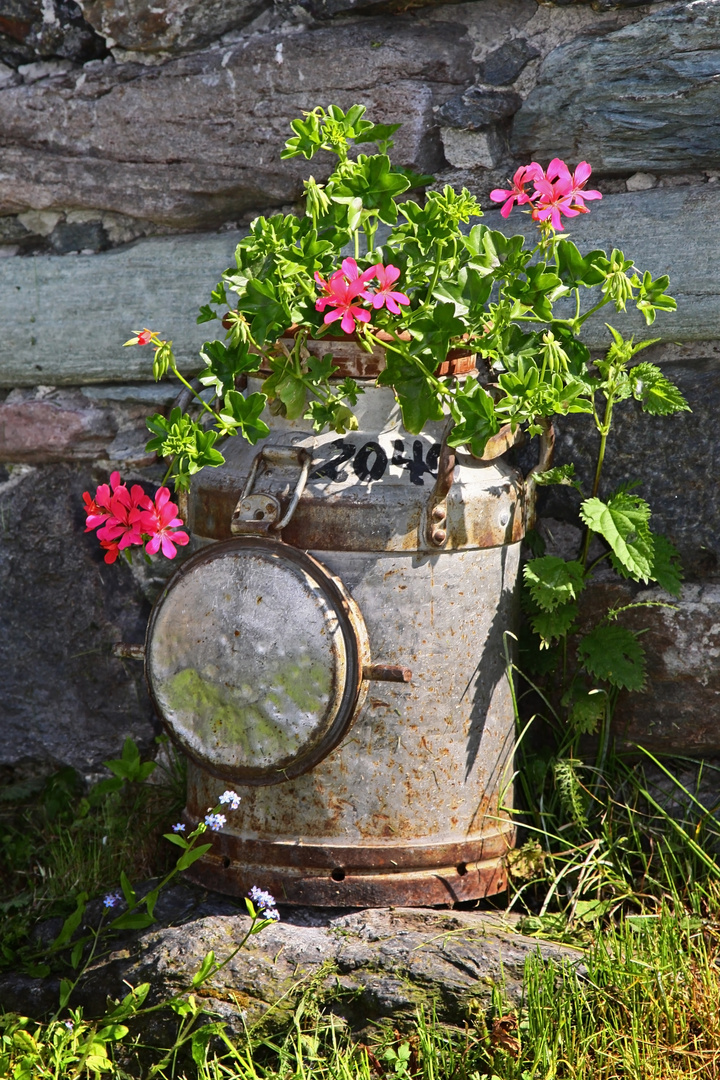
(138, 139)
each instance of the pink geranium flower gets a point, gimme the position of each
(343, 289)
(556, 191)
(97, 509)
(122, 525)
(111, 550)
(517, 193)
(387, 276)
(551, 199)
(159, 519)
(557, 169)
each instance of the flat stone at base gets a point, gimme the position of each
(383, 963)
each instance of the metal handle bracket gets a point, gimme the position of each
(260, 513)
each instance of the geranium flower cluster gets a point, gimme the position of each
(125, 518)
(346, 288)
(556, 191)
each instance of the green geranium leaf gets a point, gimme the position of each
(224, 364)
(244, 413)
(416, 394)
(375, 183)
(493, 251)
(206, 314)
(651, 296)
(261, 300)
(658, 395)
(321, 368)
(432, 333)
(623, 522)
(553, 581)
(478, 421)
(614, 654)
(575, 269)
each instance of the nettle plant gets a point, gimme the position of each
(435, 283)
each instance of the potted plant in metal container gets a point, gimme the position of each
(374, 535)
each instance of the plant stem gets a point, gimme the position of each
(195, 394)
(604, 431)
(436, 274)
(440, 387)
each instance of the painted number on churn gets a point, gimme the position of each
(370, 461)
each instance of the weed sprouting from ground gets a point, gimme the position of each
(58, 840)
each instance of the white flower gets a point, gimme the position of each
(215, 821)
(230, 798)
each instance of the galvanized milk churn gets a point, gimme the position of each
(336, 656)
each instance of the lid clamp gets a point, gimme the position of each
(260, 514)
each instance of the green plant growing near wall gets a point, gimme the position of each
(434, 284)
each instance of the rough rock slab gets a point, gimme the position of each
(674, 231)
(645, 97)
(195, 141)
(65, 700)
(173, 26)
(364, 964)
(680, 711)
(32, 29)
(161, 283)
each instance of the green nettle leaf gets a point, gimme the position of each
(561, 474)
(667, 570)
(587, 710)
(614, 654)
(570, 790)
(623, 522)
(550, 626)
(553, 581)
(658, 395)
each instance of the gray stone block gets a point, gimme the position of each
(477, 107)
(503, 65)
(196, 141)
(65, 699)
(642, 98)
(64, 320)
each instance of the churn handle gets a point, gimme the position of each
(547, 450)
(436, 519)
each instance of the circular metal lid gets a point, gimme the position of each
(254, 659)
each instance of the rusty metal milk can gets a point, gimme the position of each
(336, 657)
